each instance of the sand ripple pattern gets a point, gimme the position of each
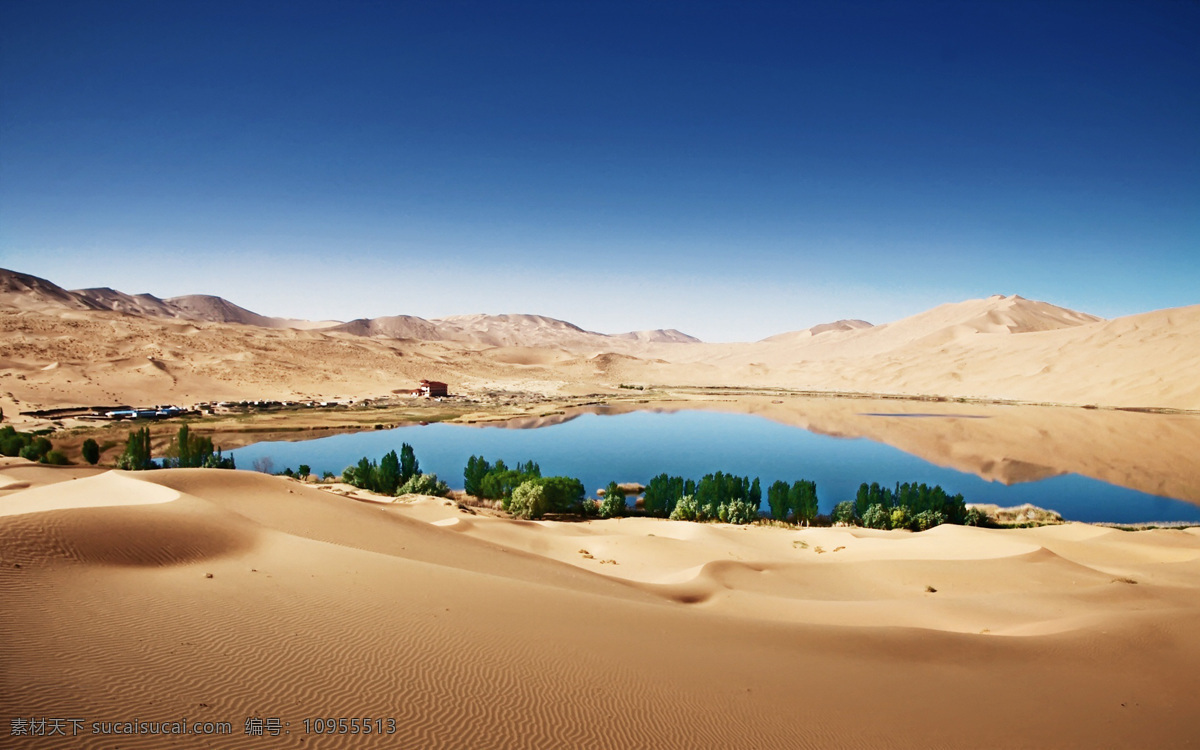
(254, 597)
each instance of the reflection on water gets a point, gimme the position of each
(1089, 465)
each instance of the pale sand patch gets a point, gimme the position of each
(108, 490)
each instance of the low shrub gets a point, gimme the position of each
(877, 517)
(528, 501)
(927, 519)
(687, 509)
(976, 517)
(424, 484)
(843, 512)
(613, 504)
(737, 512)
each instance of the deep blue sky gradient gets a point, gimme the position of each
(730, 169)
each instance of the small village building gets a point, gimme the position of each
(431, 389)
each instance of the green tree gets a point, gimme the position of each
(473, 475)
(38, 448)
(778, 501)
(304, 471)
(588, 508)
(715, 490)
(136, 456)
(188, 451)
(390, 476)
(408, 463)
(613, 504)
(500, 480)
(218, 461)
(877, 517)
(365, 475)
(976, 517)
(91, 451)
(56, 458)
(563, 494)
(182, 448)
(802, 499)
(927, 519)
(11, 441)
(755, 493)
(662, 493)
(843, 512)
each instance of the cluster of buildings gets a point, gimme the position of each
(426, 389)
(153, 412)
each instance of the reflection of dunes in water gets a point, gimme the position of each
(1013, 471)
(1150, 453)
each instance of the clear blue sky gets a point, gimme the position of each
(729, 169)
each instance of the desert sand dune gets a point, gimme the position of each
(473, 631)
(999, 348)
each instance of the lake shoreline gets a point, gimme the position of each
(1015, 444)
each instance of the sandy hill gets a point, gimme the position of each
(510, 330)
(146, 305)
(219, 310)
(945, 323)
(394, 327)
(217, 595)
(25, 292)
(21, 291)
(515, 330)
(659, 336)
(996, 348)
(995, 314)
(60, 348)
(808, 333)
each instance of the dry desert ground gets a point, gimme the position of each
(223, 596)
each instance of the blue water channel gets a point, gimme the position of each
(634, 447)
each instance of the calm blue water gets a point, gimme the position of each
(635, 447)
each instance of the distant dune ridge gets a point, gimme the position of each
(807, 333)
(201, 347)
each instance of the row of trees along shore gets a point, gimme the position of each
(728, 498)
(394, 475)
(525, 493)
(718, 497)
(187, 451)
(34, 446)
